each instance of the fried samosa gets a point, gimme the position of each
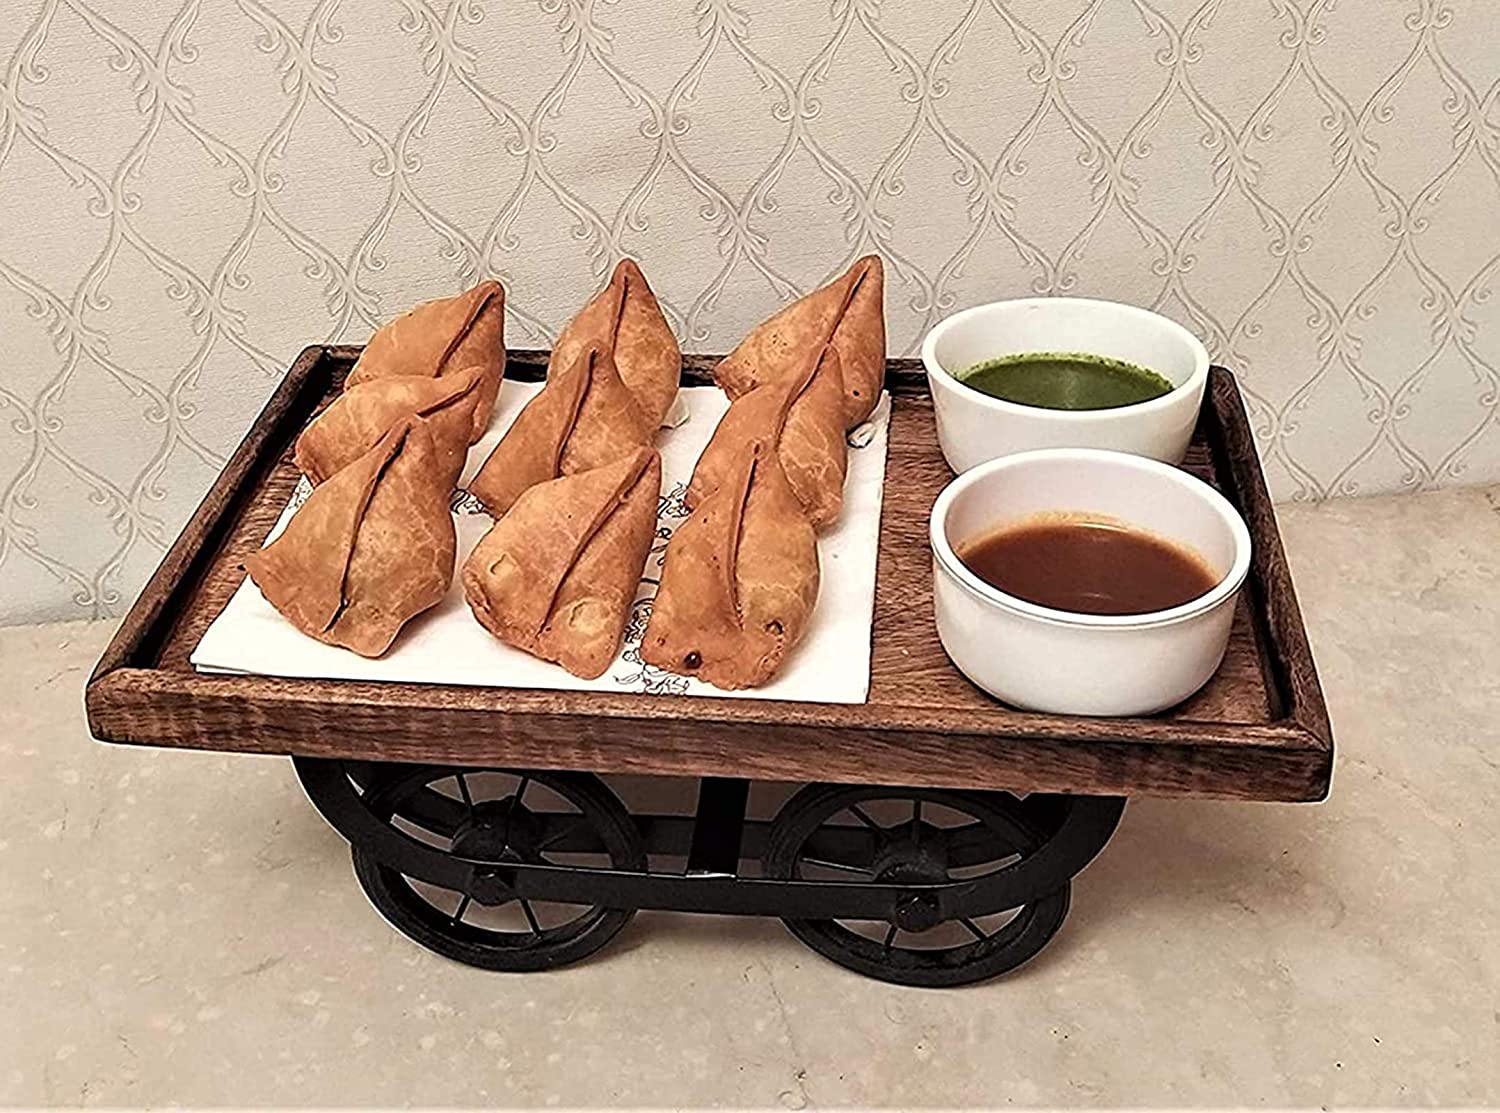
(625, 320)
(803, 417)
(359, 417)
(369, 549)
(848, 313)
(439, 338)
(556, 576)
(583, 418)
(740, 581)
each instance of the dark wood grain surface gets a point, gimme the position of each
(1258, 730)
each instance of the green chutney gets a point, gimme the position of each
(1065, 381)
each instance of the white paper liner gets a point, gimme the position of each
(447, 646)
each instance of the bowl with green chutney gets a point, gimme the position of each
(1013, 376)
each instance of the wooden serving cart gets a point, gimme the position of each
(950, 822)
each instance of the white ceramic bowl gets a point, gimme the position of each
(974, 427)
(1080, 664)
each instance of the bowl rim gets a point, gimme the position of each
(947, 558)
(1194, 384)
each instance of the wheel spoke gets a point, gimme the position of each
(515, 802)
(980, 935)
(972, 844)
(463, 906)
(830, 865)
(890, 937)
(463, 791)
(536, 928)
(561, 835)
(860, 814)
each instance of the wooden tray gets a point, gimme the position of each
(1258, 731)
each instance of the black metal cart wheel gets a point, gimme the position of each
(485, 815)
(914, 836)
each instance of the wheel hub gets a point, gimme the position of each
(917, 913)
(498, 831)
(912, 858)
(915, 856)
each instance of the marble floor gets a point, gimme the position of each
(180, 928)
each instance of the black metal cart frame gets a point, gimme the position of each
(496, 851)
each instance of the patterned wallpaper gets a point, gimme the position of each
(191, 190)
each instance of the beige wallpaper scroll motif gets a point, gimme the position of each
(191, 190)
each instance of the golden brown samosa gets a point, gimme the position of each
(439, 338)
(848, 313)
(359, 417)
(369, 549)
(740, 580)
(583, 418)
(556, 576)
(803, 417)
(625, 320)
